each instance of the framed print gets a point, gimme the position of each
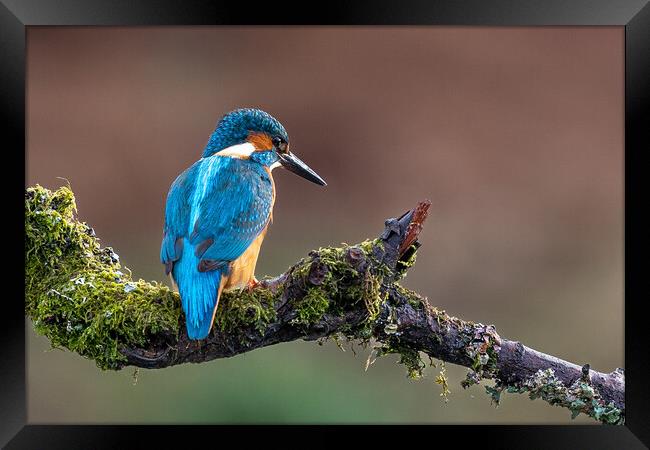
(425, 213)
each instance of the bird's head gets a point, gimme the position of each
(256, 135)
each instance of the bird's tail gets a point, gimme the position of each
(200, 292)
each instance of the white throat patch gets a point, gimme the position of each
(242, 151)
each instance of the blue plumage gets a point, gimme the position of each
(219, 206)
(233, 204)
(213, 219)
(199, 292)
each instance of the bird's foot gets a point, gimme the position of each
(252, 284)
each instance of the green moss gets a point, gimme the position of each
(336, 280)
(410, 358)
(311, 307)
(368, 246)
(239, 310)
(413, 362)
(76, 292)
(369, 290)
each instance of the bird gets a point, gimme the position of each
(218, 211)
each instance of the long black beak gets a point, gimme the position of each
(294, 164)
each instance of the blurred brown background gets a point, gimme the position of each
(514, 134)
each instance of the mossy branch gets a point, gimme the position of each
(77, 295)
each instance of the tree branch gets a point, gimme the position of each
(78, 297)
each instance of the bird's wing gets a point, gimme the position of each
(177, 216)
(233, 211)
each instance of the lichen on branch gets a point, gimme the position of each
(79, 296)
(579, 397)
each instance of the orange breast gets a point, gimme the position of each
(243, 268)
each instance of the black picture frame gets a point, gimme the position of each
(633, 15)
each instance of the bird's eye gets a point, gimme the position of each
(276, 142)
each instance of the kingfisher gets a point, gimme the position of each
(219, 209)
